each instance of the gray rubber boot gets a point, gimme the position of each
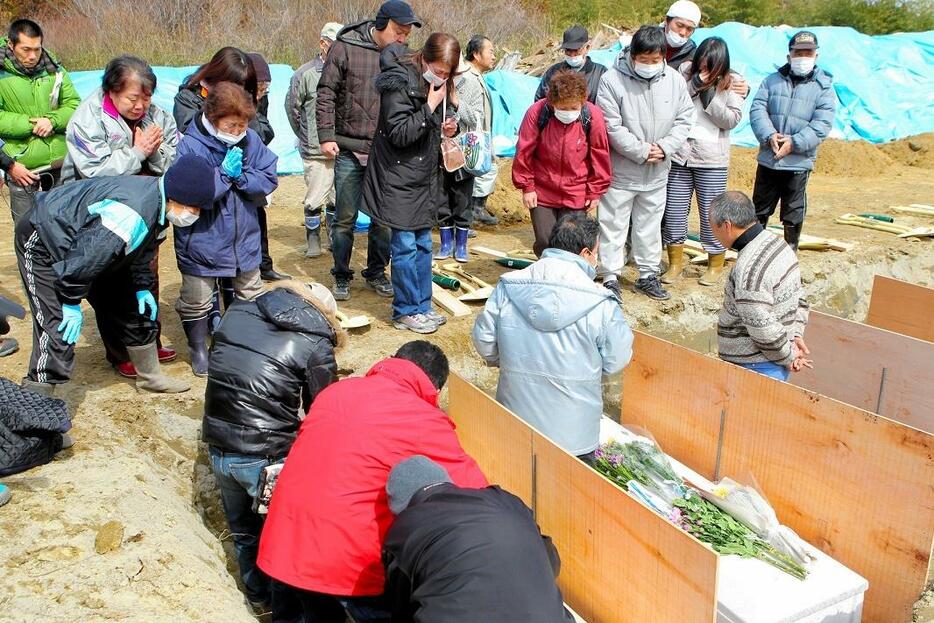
(149, 373)
(313, 238)
(44, 389)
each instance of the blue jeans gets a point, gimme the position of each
(237, 477)
(348, 185)
(411, 272)
(772, 370)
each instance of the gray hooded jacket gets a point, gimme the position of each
(640, 112)
(554, 333)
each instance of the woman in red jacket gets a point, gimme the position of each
(562, 160)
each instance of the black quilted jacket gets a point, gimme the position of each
(30, 428)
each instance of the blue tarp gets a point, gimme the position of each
(884, 84)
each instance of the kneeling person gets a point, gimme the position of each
(94, 239)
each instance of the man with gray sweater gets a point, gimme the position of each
(761, 325)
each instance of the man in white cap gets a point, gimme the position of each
(319, 170)
(681, 21)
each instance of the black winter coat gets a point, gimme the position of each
(592, 72)
(402, 185)
(682, 54)
(467, 555)
(271, 357)
(89, 229)
(31, 428)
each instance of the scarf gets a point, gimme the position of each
(46, 63)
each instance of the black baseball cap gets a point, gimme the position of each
(398, 11)
(575, 38)
(804, 40)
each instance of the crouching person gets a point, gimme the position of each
(553, 332)
(459, 555)
(271, 357)
(94, 239)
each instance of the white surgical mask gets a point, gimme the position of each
(648, 71)
(576, 61)
(567, 117)
(181, 219)
(433, 79)
(802, 65)
(230, 139)
(674, 39)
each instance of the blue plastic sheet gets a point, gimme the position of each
(884, 84)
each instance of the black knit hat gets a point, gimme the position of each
(190, 182)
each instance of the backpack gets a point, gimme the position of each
(547, 112)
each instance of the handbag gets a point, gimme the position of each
(478, 152)
(451, 151)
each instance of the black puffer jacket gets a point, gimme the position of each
(271, 357)
(31, 428)
(591, 71)
(402, 185)
(682, 54)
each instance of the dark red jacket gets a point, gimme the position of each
(559, 163)
(329, 513)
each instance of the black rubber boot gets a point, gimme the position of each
(197, 333)
(792, 235)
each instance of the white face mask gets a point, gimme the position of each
(802, 65)
(576, 61)
(567, 117)
(230, 139)
(183, 218)
(432, 78)
(674, 39)
(648, 71)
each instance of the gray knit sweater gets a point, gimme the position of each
(763, 304)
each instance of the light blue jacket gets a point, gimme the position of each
(554, 333)
(802, 109)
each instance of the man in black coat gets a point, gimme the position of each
(94, 239)
(458, 555)
(271, 357)
(576, 45)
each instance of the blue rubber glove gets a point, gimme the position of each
(72, 319)
(145, 299)
(232, 166)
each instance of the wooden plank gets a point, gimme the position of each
(619, 560)
(854, 484)
(850, 360)
(501, 445)
(647, 395)
(448, 302)
(902, 307)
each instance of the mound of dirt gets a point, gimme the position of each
(851, 159)
(506, 202)
(915, 151)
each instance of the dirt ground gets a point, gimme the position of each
(137, 460)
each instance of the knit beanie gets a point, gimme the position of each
(190, 182)
(408, 477)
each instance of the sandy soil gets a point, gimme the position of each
(137, 460)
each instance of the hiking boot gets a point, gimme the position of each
(417, 323)
(482, 217)
(8, 346)
(149, 373)
(613, 286)
(460, 245)
(197, 333)
(380, 285)
(447, 243)
(652, 288)
(435, 317)
(341, 289)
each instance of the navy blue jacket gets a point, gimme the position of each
(225, 240)
(99, 225)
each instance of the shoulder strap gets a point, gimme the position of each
(544, 116)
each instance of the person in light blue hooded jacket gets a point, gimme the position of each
(554, 333)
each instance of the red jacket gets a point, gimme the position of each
(558, 164)
(329, 513)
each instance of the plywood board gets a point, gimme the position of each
(619, 560)
(877, 370)
(902, 307)
(500, 442)
(648, 401)
(854, 484)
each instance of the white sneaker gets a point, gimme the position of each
(417, 323)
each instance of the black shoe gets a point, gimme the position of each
(652, 288)
(481, 216)
(380, 285)
(613, 286)
(272, 275)
(341, 289)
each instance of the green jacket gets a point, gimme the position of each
(23, 98)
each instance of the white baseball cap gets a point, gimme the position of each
(685, 9)
(330, 30)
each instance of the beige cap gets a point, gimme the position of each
(330, 30)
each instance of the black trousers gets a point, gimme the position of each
(789, 187)
(265, 264)
(112, 295)
(456, 209)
